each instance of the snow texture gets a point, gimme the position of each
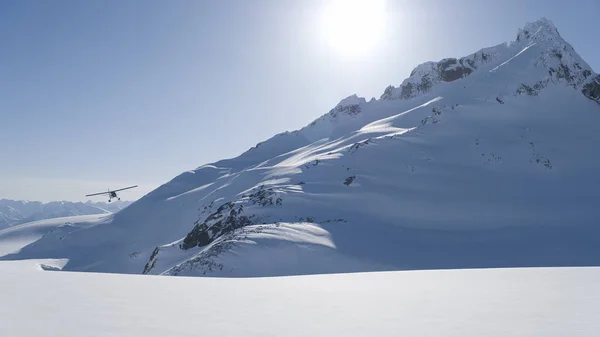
(484, 161)
(489, 303)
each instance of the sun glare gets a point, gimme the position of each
(353, 27)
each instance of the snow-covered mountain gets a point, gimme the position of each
(489, 160)
(14, 212)
(13, 239)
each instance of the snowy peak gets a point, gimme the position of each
(351, 100)
(538, 58)
(540, 30)
(556, 59)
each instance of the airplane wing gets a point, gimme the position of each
(101, 193)
(126, 188)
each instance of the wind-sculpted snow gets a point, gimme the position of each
(494, 166)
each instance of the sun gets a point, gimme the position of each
(353, 27)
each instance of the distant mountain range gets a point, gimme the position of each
(14, 212)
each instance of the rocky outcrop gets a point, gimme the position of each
(426, 75)
(592, 90)
(207, 260)
(349, 106)
(450, 70)
(532, 90)
(387, 93)
(229, 217)
(563, 66)
(151, 262)
(358, 145)
(351, 110)
(540, 30)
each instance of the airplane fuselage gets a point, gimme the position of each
(111, 195)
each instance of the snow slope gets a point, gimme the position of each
(14, 212)
(484, 161)
(14, 238)
(507, 302)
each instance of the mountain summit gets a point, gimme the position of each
(488, 160)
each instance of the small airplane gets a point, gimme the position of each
(112, 194)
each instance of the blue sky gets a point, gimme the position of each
(98, 94)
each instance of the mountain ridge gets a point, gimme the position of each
(487, 167)
(15, 212)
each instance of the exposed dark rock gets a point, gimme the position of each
(544, 161)
(266, 197)
(446, 70)
(151, 262)
(538, 158)
(557, 53)
(134, 255)
(387, 93)
(206, 261)
(429, 119)
(523, 35)
(407, 90)
(432, 118)
(196, 238)
(525, 89)
(358, 145)
(592, 89)
(228, 217)
(425, 84)
(349, 180)
(450, 70)
(215, 225)
(312, 163)
(532, 91)
(351, 110)
(565, 73)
